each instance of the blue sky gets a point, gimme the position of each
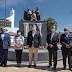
(60, 10)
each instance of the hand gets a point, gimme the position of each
(28, 46)
(8, 47)
(39, 46)
(20, 45)
(17, 46)
(51, 46)
(68, 46)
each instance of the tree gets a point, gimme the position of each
(50, 23)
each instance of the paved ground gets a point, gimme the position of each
(41, 67)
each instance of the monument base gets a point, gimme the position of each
(42, 55)
(26, 26)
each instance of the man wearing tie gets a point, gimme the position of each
(33, 42)
(4, 46)
(52, 40)
(66, 41)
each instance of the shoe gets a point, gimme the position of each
(29, 65)
(50, 65)
(64, 68)
(17, 66)
(1, 64)
(54, 67)
(71, 69)
(4, 65)
(34, 65)
(20, 66)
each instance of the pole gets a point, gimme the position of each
(5, 10)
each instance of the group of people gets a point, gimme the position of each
(32, 16)
(34, 43)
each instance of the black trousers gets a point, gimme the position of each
(18, 55)
(54, 54)
(65, 53)
(4, 56)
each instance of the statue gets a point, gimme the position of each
(27, 14)
(33, 16)
(37, 13)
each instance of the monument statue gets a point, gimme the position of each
(37, 13)
(27, 14)
(33, 16)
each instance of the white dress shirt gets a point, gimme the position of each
(52, 34)
(33, 33)
(67, 35)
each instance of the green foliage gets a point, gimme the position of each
(50, 23)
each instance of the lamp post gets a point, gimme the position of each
(5, 10)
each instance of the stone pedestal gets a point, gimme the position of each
(26, 26)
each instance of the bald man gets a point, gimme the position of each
(66, 41)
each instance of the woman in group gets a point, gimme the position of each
(19, 42)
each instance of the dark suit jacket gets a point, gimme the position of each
(54, 42)
(5, 42)
(66, 40)
(37, 39)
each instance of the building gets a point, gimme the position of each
(11, 18)
(9, 24)
(5, 23)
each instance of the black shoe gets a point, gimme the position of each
(71, 69)
(64, 68)
(54, 67)
(20, 66)
(29, 65)
(50, 65)
(34, 65)
(1, 64)
(5, 65)
(17, 66)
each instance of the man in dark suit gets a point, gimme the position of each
(4, 46)
(66, 41)
(33, 42)
(52, 40)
